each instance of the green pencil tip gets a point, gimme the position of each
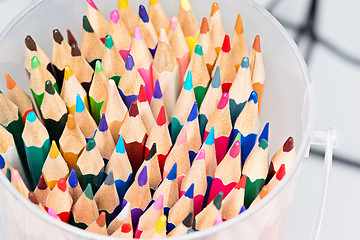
(90, 144)
(218, 200)
(88, 192)
(109, 43)
(35, 62)
(198, 50)
(238, 138)
(86, 25)
(263, 144)
(98, 67)
(49, 88)
(8, 174)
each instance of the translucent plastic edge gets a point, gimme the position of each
(301, 150)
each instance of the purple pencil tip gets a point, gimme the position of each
(157, 90)
(103, 126)
(129, 63)
(143, 177)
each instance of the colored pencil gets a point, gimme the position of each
(145, 112)
(183, 107)
(179, 154)
(72, 142)
(189, 24)
(143, 61)
(18, 183)
(124, 217)
(207, 216)
(99, 225)
(221, 121)
(234, 201)
(90, 167)
(285, 155)
(169, 188)
(166, 70)
(32, 50)
(157, 16)
(74, 186)
(238, 43)
(33, 199)
(256, 168)
(181, 209)
(228, 172)
(54, 112)
(54, 167)
(157, 101)
(212, 98)
(37, 145)
(97, 20)
(119, 33)
(263, 192)
(61, 55)
(70, 37)
(128, 16)
(125, 231)
(247, 124)
(159, 135)
(104, 140)
(257, 69)
(52, 213)
(152, 163)
(72, 87)
(134, 134)
(4, 165)
(265, 133)
(240, 90)
(120, 165)
(183, 227)
(81, 68)
(17, 95)
(197, 176)
(157, 230)
(112, 62)
(107, 198)
(179, 47)
(91, 46)
(226, 64)
(83, 118)
(130, 83)
(217, 31)
(193, 132)
(38, 77)
(139, 196)
(60, 200)
(218, 220)
(201, 77)
(8, 174)
(153, 212)
(148, 30)
(114, 109)
(85, 210)
(42, 191)
(206, 42)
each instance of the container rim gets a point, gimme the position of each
(309, 94)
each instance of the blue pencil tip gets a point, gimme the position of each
(265, 133)
(245, 62)
(143, 14)
(129, 62)
(79, 104)
(242, 209)
(31, 117)
(193, 113)
(157, 90)
(190, 192)
(120, 146)
(143, 177)
(72, 179)
(215, 83)
(2, 162)
(173, 172)
(210, 139)
(253, 97)
(109, 179)
(103, 126)
(188, 85)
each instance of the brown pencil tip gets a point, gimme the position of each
(33, 198)
(71, 124)
(133, 110)
(30, 43)
(42, 184)
(256, 45)
(71, 38)
(204, 26)
(57, 36)
(215, 8)
(101, 220)
(239, 25)
(288, 145)
(75, 51)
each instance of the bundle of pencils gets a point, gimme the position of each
(121, 150)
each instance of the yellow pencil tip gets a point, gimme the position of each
(123, 4)
(153, 2)
(68, 73)
(185, 4)
(54, 151)
(160, 224)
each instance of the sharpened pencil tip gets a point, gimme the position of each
(61, 184)
(188, 84)
(216, 82)
(35, 62)
(190, 192)
(90, 144)
(281, 172)
(226, 44)
(256, 44)
(188, 220)
(133, 110)
(215, 8)
(10, 83)
(86, 25)
(2, 162)
(242, 182)
(129, 62)
(151, 153)
(101, 220)
(30, 43)
(114, 16)
(157, 90)
(160, 224)
(288, 145)
(204, 26)
(263, 144)
(245, 62)
(253, 97)
(67, 73)
(54, 151)
(120, 146)
(198, 50)
(109, 179)
(98, 67)
(238, 25)
(143, 14)
(142, 95)
(217, 200)
(31, 117)
(210, 139)
(173, 173)
(72, 179)
(88, 192)
(42, 185)
(57, 36)
(161, 119)
(173, 22)
(123, 4)
(103, 126)
(109, 43)
(193, 113)
(265, 133)
(80, 107)
(143, 177)
(49, 88)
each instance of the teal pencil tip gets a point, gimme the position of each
(109, 43)
(80, 107)
(218, 199)
(215, 83)
(90, 144)
(245, 62)
(31, 117)
(188, 84)
(210, 139)
(120, 146)
(49, 88)
(263, 144)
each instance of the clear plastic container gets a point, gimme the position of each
(288, 104)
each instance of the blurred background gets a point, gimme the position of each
(325, 35)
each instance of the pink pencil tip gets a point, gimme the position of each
(52, 212)
(15, 175)
(114, 16)
(201, 155)
(112, 89)
(223, 101)
(235, 150)
(137, 34)
(163, 37)
(158, 204)
(218, 220)
(91, 2)
(173, 23)
(182, 138)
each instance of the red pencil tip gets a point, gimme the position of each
(226, 44)
(61, 184)
(10, 83)
(288, 145)
(256, 45)
(204, 26)
(126, 228)
(101, 220)
(142, 95)
(281, 172)
(133, 110)
(241, 183)
(161, 119)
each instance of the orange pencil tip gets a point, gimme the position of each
(10, 83)
(241, 183)
(204, 26)
(239, 25)
(215, 8)
(101, 220)
(256, 45)
(71, 124)
(264, 191)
